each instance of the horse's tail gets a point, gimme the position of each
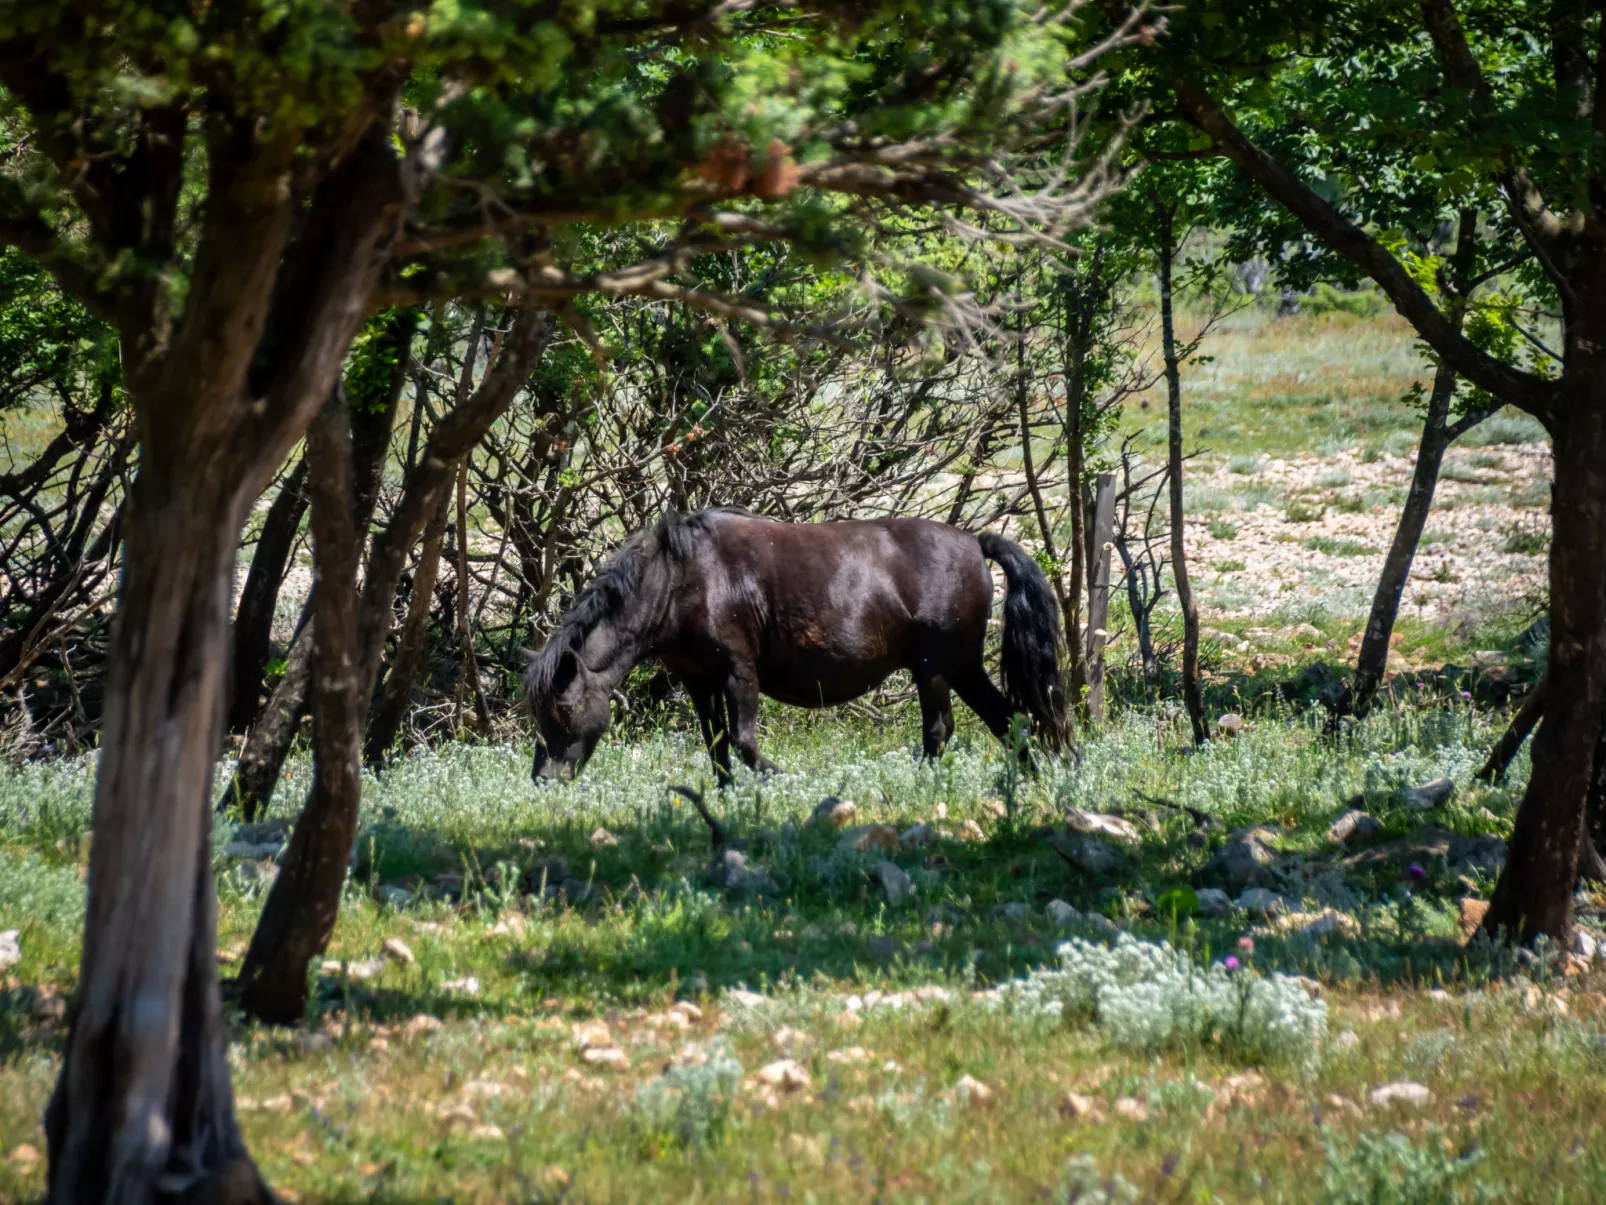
(1029, 663)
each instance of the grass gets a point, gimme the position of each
(1335, 546)
(497, 1101)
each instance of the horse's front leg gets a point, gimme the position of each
(709, 703)
(741, 695)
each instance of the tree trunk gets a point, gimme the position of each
(1534, 894)
(304, 902)
(144, 1095)
(1437, 436)
(1528, 715)
(470, 667)
(1075, 387)
(1372, 663)
(391, 707)
(256, 774)
(259, 600)
(1192, 696)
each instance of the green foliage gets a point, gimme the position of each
(1390, 1169)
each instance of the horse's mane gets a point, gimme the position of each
(672, 539)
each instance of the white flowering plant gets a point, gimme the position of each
(1154, 996)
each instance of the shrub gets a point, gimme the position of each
(1222, 530)
(1388, 1169)
(1246, 466)
(1526, 541)
(1302, 510)
(691, 1102)
(1507, 427)
(1153, 996)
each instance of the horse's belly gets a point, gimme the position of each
(821, 681)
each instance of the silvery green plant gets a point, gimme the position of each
(1153, 996)
(691, 1102)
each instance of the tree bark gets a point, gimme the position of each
(144, 1090)
(1528, 715)
(1534, 893)
(1192, 696)
(259, 600)
(1372, 662)
(391, 707)
(304, 902)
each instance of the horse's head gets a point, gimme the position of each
(570, 703)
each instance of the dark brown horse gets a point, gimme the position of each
(808, 613)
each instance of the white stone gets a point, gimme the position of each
(1213, 902)
(1096, 824)
(1259, 901)
(895, 882)
(10, 949)
(1404, 1092)
(972, 1092)
(920, 836)
(785, 1074)
(398, 950)
(1062, 914)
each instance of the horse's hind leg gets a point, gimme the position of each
(985, 699)
(711, 718)
(936, 711)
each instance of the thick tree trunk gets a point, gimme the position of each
(391, 708)
(1192, 696)
(259, 600)
(302, 906)
(1372, 663)
(1534, 894)
(144, 1094)
(1528, 715)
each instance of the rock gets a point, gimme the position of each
(920, 836)
(1429, 795)
(241, 850)
(1013, 912)
(1213, 902)
(1242, 862)
(895, 882)
(1076, 1107)
(260, 874)
(546, 876)
(610, 1057)
(867, 837)
(48, 1008)
(1231, 725)
(486, 1133)
(789, 1041)
(884, 948)
(601, 838)
(1258, 901)
(1404, 1092)
(1096, 824)
(396, 897)
(1131, 1108)
(25, 1156)
(848, 1054)
(744, 998)
(422, 1023)
(1486, 853)
(1347, 1039)
(970, 831)
(838, 813)
(1088, 854)
(687, 1009)
(1062, 914)
(468, 985)
(996, 808)
(1324, 924)
(1585, 946)
(10, 948)
(785, 1074)
(730, 870)
(1354, 825)
(972, 1092)
(397, 950)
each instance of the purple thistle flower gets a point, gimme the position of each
(1413, 871)
(1247, 945)
(1466, 694)
(1230, 962)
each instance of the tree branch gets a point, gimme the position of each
(1523, 390)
